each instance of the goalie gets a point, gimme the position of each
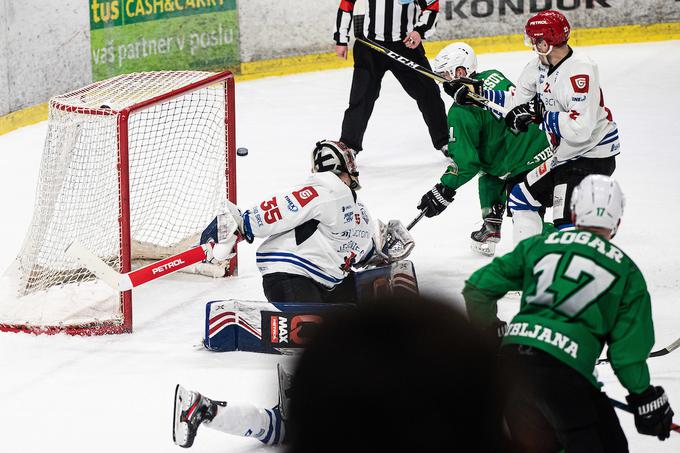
(315, 234)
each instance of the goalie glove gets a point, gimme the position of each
(224, 232)
(459, 88)
(392, 243)
(397, 242)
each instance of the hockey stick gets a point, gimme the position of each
(129, 280)
(624, 407)
(416, 220)
(661, 352)
(477, 99)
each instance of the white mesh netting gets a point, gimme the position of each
(177, 184)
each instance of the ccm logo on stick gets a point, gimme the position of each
(165, 267)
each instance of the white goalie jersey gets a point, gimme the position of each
(577, 121)
(318, 230)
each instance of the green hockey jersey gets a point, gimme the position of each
(579, 292)
(480, 141)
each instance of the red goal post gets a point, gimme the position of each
(134, 167)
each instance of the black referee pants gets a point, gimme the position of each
(369, 69)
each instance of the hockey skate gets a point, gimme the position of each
(485, 239)
(191, 409)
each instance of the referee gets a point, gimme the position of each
(399, 25)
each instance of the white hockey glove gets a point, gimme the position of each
(224, 232)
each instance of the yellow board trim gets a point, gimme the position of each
(23, 117)
(319, 62)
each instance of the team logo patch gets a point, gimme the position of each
(580, 83)
(357, 219)
(305, 195)
(542, 169)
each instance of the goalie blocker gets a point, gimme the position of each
(285, 327)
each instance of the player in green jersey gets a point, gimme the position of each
(479, 142)
(580, 292)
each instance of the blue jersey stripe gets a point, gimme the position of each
(611, 140)
(288, 255)
(615, 132)
(299, 264)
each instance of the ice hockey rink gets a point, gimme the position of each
(115, 393)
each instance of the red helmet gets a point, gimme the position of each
(550, 26)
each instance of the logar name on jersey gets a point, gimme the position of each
(586, 238)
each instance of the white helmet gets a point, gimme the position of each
(336, 157)
(453, 56)
(598, 202)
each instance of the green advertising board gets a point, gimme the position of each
(151, 35)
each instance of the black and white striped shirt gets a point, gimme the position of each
(388, 20)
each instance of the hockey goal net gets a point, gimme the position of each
(134, 167)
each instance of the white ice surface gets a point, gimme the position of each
(114, 393)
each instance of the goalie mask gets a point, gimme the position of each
(337, 158)
(598, 202)
(454, 56)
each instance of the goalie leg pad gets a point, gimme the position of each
(393, 279)
(275, 328)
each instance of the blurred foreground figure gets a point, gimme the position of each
(396, 375)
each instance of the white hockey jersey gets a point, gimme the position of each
(576, 120)
(318, 230)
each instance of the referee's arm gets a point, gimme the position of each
(343, 22)
(424, 27)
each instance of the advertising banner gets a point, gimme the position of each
(476, 18)
(149, 35)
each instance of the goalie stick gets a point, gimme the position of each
(129, 280)
(624, 407)
(477, 99)
(658, 353)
